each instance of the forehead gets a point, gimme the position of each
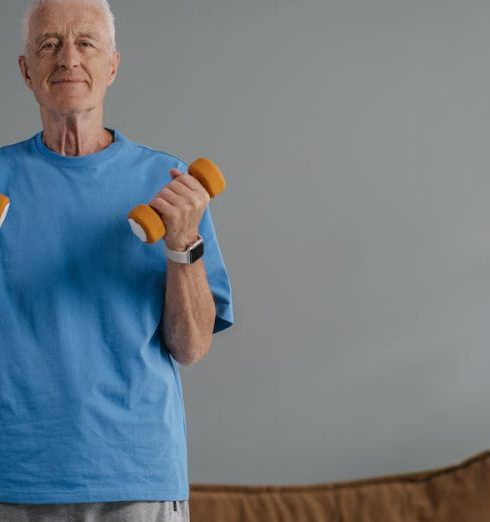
(77, 17)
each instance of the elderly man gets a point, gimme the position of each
(92, 321)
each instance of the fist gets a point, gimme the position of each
(181, 204)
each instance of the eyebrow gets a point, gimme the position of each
(58, 35)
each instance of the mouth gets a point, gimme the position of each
(69, 81)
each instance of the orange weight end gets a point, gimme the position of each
(146, 223)
(4, 201)
(209, 175)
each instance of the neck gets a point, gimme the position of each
(74, 134)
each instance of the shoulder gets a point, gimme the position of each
(14, 153)
(145, 150)
(15, 148)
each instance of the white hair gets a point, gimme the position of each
(102, 4)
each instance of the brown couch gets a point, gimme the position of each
(459, 493)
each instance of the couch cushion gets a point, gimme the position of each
(459, 493)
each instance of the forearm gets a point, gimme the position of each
(189, 312)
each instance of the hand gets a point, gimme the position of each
(181, 204)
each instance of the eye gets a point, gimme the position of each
(86, 44)
(45, 46)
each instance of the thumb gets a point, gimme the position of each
(175, 172)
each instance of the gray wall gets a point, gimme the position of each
(354, 136)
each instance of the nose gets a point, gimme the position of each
(68, 55)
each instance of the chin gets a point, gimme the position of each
(69, 106)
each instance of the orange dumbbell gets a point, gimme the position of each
(4, 207)
(146, 222)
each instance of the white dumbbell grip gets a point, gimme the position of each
(4, 213)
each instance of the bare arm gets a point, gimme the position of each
(189, 312)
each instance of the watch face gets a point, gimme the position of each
(197, 252)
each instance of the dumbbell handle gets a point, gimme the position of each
(146, 222)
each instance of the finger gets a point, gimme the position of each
(192, 194)
(177, 188)
(191, 183)
(168, 197)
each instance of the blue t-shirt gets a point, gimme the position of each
(91, 402)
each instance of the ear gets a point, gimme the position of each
(24, 69)
(115, 61)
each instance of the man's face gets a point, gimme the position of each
(69, 41)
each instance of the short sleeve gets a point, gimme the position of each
(216, 271)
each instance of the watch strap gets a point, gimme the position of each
(192, 254)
